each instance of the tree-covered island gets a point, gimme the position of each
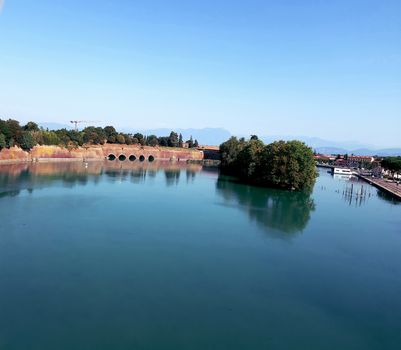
(281, 164)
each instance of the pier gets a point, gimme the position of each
(389, 187)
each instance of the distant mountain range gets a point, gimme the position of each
(385, 152)
(215, 136)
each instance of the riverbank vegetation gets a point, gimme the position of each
(282, 164)
(29, 135)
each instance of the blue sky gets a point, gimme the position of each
(315, 68)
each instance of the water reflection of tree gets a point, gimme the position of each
(190, 175)
(283, 211)
(172, 176)
(25, 176)
(12, 193)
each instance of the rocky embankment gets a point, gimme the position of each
(88, 153)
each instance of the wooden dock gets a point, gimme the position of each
(389, 187)
(386, 186)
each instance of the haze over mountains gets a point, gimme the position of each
(215, 136)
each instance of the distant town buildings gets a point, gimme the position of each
(345, 160)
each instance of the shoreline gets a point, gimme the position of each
(15, 155)
(388, 187)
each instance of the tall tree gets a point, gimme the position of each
(31, 126)
(27, 140)
(152, 140)
(3, 142)
(190, 142)
(173, 139)
(120, 139)
(139, 137)
(180, 141)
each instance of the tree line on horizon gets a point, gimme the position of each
(29, 135)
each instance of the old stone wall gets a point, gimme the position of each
(48, 153)
(14, 155)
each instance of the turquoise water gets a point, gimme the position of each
(164, 257)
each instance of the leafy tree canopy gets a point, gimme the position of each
(282, 164)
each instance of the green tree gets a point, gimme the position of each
(111, 134)
(163, 141)
(109, 130)
(248, 157)
(27, 141)
(31, 126)
(64, 136)
(12, 131)
(139, 137)
(180, 141)
(289, 165)
(5, 130)
(120, 139)
(76, 137)
(229, 151)
(152, 140)
(196, 144)
(3, 142)
(50, 138)
(94, 135)
(128, 139)
(173, 139)
(190, 142)
(38, 137)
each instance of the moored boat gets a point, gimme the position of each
(342, 171)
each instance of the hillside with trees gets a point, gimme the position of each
(281, 164)
(29, 135)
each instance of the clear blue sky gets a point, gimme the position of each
(316, 68)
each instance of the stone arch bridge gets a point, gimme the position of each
(100, 152)
(145, 153)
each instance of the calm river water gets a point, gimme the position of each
(123, 256)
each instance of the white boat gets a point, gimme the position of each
(342, 171)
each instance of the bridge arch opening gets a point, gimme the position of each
(132, 158)
(151, 158)
(122, 157)
(111, 157)
(141, 158)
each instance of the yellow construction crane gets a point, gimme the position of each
(76, 122)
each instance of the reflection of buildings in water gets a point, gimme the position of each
(342, 177)
(387, 197)
(280, 211)
(14, 177)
